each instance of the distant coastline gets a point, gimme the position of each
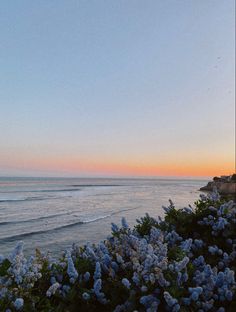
(225, 185)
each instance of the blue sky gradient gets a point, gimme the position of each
(117, 84)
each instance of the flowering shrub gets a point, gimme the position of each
(184, 262)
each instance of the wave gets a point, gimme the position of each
(22, 199)
(94, 185)
(109, 215)
(44, 191)
(95, 219)
(34, 219)
(76, 188)
(64, 214)
(80, 222)
(123, 210)
(33, 198)
(52, 191)
(24, 235)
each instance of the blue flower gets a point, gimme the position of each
(179, 266)
(19, 303)
(126, 283)
(52, 289)
(97, 286)
(149, 300)
(195, 292)
(171, 302)
(151, 260)
(86, 276)
(136, 278)
(124, 223)
(86, 296)
(114, 228)
(186, 245)
(71, 270)
(97, 273)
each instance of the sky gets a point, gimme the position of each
(117, 88)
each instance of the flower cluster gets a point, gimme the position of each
(185, 262)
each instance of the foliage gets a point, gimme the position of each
(184, 262)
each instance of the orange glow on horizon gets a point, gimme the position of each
(82, 166)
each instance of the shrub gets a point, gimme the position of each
(184, 262)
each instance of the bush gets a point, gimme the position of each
(185, 262)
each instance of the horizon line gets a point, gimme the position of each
(106, 177)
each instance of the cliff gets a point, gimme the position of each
(225, 185)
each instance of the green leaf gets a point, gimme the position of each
(4, 267)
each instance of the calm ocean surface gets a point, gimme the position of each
(52, 213)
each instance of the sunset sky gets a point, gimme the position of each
(117, 88)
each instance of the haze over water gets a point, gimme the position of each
(53, 213)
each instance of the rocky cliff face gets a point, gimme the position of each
(224, 185)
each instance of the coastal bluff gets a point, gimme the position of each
(225, 185)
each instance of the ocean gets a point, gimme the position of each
(53, 213)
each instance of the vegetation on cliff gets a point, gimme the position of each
(184, 262)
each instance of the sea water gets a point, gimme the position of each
(53, 213)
